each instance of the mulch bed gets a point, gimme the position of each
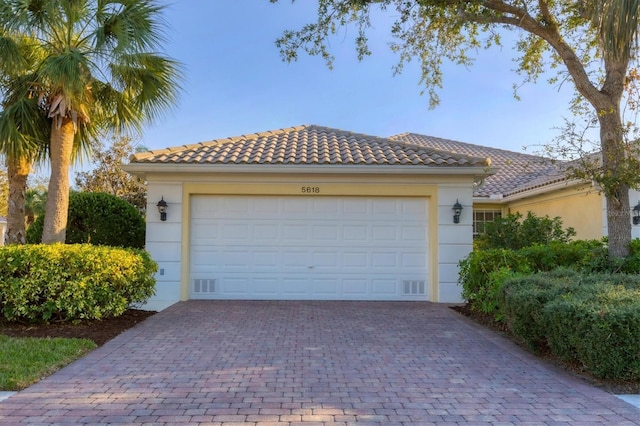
(100, 331)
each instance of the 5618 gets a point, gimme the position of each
(310, 189)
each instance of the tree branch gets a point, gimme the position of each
(520, 17)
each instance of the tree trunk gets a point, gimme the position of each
(617, 193)
(57, 207)
(18, 171)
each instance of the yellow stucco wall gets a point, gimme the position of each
(580, 208)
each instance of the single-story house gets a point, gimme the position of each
(308, 212)
(315, 213)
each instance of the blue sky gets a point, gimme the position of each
(236, 83)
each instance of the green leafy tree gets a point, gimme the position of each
(100, 219)
(97, 70)
(108, 176)
(591, 43)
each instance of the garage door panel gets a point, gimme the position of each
(325, 260)
(413, 233)
(324, 287)
(354, 233)
(297, 205)
(386, 287)
(296, 259)
(357, 260)
(265, 287)
(265, 232)
(355, 287)
(325, 206)
(294, 285)
(234, 286)
(308, 248)
(267, 206)
(384, 259)
(294, 232)
(385, 233)
(413, 260)
(267, 260)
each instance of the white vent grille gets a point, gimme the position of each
(414, 287)
(204, 285)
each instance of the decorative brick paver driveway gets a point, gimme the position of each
(313, 362)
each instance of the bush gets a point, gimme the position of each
(511, 232)
(483, 272)
(593, 320)
(71, 282)
(599, 328)
(100, 219)
(524, 299)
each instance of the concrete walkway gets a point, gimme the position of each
(204, 362)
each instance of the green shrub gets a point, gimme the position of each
(511, 232)
(524, 299)
(599, 328)
(483, 272)
(70, 282)
(100, 219)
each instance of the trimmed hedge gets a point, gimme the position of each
(70, 282)
(592, 319)
(483, 272)
(98, 218)
(524, 298)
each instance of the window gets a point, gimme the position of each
(481, 217)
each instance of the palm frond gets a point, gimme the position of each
(617, 22)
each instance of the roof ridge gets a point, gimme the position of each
(442, 151)
(230, 139)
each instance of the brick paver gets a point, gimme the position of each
(263, 363)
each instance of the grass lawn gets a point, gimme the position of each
(25, 360)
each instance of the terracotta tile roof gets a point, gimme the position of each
(515, 172)
(310, 144)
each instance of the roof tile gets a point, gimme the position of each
(515, 171)
(310, 144)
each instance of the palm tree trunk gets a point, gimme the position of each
(55, 218)
(18, 171)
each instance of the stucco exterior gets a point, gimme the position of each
(579, 207)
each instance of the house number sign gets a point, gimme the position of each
(310, 189)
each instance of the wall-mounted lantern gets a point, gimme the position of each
(457, 210)
(162, 209)
(636, 214)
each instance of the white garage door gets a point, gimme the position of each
(319, 248)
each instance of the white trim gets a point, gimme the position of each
(545, 189)
(143, 168)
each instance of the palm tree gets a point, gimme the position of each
(35, 200)
(24, 133)
(97, 71)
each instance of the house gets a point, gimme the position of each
(308, 212)
(311, 212)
